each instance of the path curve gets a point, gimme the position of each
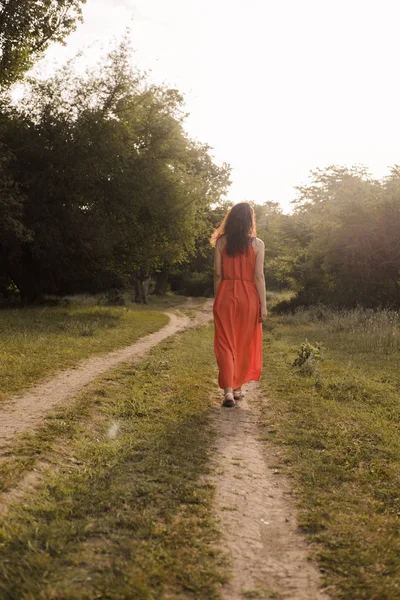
(26, 411)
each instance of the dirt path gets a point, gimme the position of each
(255, 505)
(257, 511)
(23, 412)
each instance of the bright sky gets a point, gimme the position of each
(276, 87)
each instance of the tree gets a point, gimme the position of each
(272, 227)
(113, 188)
(195, 275)
(351, 254)
(26, 29)
(12, 231)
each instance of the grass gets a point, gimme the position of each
(37, 342)
(339, 426)
(365, 329)
(261, 593)
(274, 298)
(128, 512)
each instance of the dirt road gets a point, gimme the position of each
(256, 510)
(26, 411)
(254, 502)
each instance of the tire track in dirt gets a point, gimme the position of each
(26, 411)
(257, 512)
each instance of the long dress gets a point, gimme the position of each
(236, 311)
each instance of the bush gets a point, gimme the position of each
(308, 357)
(113, 297)
(193, 284)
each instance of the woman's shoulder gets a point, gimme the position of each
(221, 242)
(257, 243)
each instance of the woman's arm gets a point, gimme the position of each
(217, 266)
(259, 278)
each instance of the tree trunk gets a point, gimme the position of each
(161, 283)
(138, 290)
(142, 289)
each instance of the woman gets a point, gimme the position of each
(240, 304)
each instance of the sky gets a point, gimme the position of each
(277, 88)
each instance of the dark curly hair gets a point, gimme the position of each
(239, 226)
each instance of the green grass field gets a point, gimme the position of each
(338, 421)
(37, 342)
(124, 507)
(124, 510)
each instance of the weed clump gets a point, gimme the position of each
(308, 358)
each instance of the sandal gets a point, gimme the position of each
(238, 394)
(229, 402)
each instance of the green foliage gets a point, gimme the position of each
(13, 233)
(306, 352)
(308, 357)
(26, 29)
(350, 239)
(193, 284)
(113, 188)
(195, 275)
(100, 187)
(273, 228)
(115, 298)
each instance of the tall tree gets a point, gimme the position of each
(351, 226)
(12, 231)
(113, 187)
(26, 29)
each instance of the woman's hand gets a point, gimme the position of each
(263, 314)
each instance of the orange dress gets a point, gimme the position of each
(238, 332)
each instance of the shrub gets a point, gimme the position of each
(113, 297)
(193, 284)
(308, 357)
